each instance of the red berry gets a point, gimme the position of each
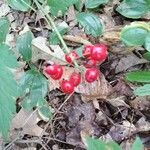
(75, 78)
(70, 57)
(91, 74)
(66, 86)
(87, 51)
(90, 63)
(99, 52)
(53, 69)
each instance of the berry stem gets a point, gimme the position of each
(51, 23)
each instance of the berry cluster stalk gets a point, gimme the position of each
(51, 22)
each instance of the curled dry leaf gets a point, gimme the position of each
(99, 89)
(118, 101)
(27, 122)
(41, 50)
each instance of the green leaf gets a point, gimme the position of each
(133, 35)
(79, 51)
(24, 45)
(57, 6)
(54, 40)
(133, 8)
(147, 56)
(91, 23)
(94, 3)
(45, 112)
(113, 146)
(34, 88)
(139, 76)
(95, 144)
(143, 91)
(4, 28)
(8, 88)
(147, 42)
(137, 145)
(22, 5)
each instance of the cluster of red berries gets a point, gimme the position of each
(94, 54)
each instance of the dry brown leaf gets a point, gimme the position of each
(27, 122)
(118, 101)
(4, 10)
(41, 50)
(99, 89)
(129, 61)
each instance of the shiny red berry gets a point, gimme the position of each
(90, 63)
(75, 78)
(87, 51)
(91, 75)
(53, 69)
(99, 52)
(66, 86)
(70, 57)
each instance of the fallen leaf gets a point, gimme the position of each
(26, 121)
(41, 50)
(99, 89)
(129, 61)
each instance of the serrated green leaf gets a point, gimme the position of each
(147, 42)
(24, 45)
(4, 28)
(57, 6)
(137, 145)
(94, 3)
(133, 8)
(8, 88)
(22, 5)
(139, 76)
(45, 112)
(91, 23)
(133, 35)
(34, 88)
(54, 40)
(143, 91)
(95, 144)
(113, 146)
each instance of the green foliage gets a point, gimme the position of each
(142, 77)
(134, 8)
(143, 90)
(22, 5)
(24, 45)
(91, 23)
(137, 145)
(33, 88)
(94, 3)
(4, 28)
(45, 112)
(134, 35)
(147, 42)
(8, 88)
(57, 6)
(147, 56)
(96, 144)
(53, 39)
(139, 76)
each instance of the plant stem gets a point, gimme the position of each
(51, 22)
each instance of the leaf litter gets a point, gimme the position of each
(100, 109)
